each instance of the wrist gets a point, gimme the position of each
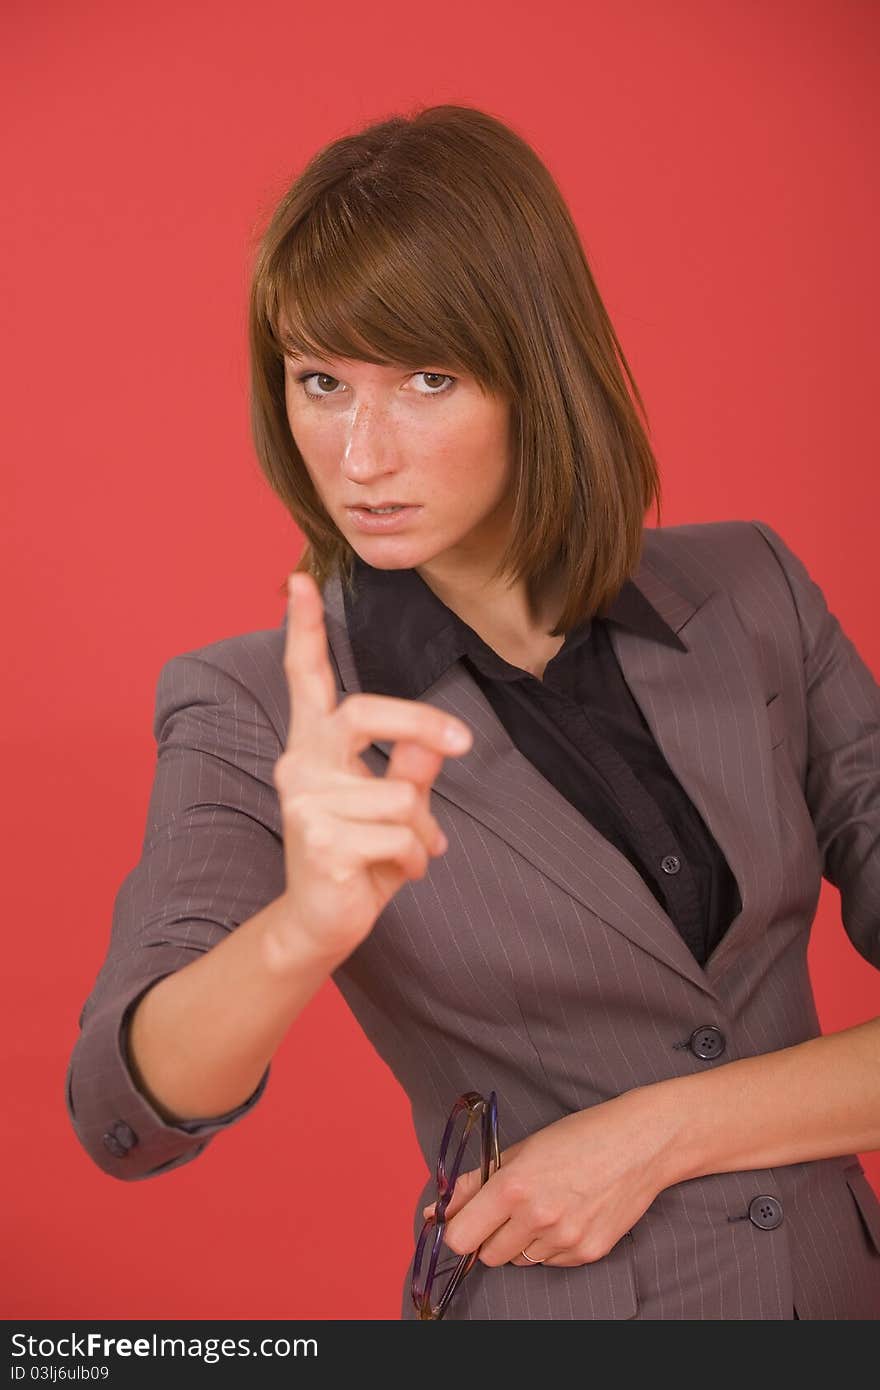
(663, 1126)
(287, 948)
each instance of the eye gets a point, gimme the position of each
(320, 376)
(325, 377)
(437, 376)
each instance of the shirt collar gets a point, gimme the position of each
(404, 637)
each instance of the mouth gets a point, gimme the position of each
(379, 506)
(389, 518)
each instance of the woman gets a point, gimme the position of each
(598, 903)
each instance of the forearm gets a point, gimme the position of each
(814, 1100)
(200, 1039)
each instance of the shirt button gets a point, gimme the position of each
(765, 1212)
(707, 1041)
(670, 864)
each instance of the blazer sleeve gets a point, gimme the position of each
(212, 856)
(843, 753)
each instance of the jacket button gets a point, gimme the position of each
(112, 1143)
(765, 1212)
(707, 1041)
(670, 863)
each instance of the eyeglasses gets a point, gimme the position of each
(427, 1272)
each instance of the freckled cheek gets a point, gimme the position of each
(321, 451)
(484, 478)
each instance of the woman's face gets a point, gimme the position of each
(370, 435)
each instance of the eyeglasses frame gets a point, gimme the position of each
(486, 1111)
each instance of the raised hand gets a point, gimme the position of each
(351, 838)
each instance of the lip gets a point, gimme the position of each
(366, 521)
(388, 502)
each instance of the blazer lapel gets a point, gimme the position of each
(705, 707)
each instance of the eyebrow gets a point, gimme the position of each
(298, 357)
(315, 356)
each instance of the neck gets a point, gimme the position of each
(504, 614)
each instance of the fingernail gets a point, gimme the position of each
(457, 738)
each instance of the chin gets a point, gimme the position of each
(379, 559)
(393, 552)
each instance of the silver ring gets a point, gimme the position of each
(530, 1260)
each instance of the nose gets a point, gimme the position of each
(369, 446)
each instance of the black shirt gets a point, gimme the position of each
(579, 726)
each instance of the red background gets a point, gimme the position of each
(719, 162)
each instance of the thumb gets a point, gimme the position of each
(466, 1185)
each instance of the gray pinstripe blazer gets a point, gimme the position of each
(532, 958)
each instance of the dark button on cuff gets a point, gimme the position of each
(707, 1041)
(670, 863)
(765, 1212)
(125, 1134)
(119, 1138)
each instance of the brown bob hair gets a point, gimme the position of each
(442, 236)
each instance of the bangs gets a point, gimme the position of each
(379, 292)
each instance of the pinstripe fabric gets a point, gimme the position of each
(533, 958)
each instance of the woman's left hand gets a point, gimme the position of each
(568, 1192)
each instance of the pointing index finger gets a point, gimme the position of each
(306, 656)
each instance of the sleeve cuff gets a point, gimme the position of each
(114, 1121)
